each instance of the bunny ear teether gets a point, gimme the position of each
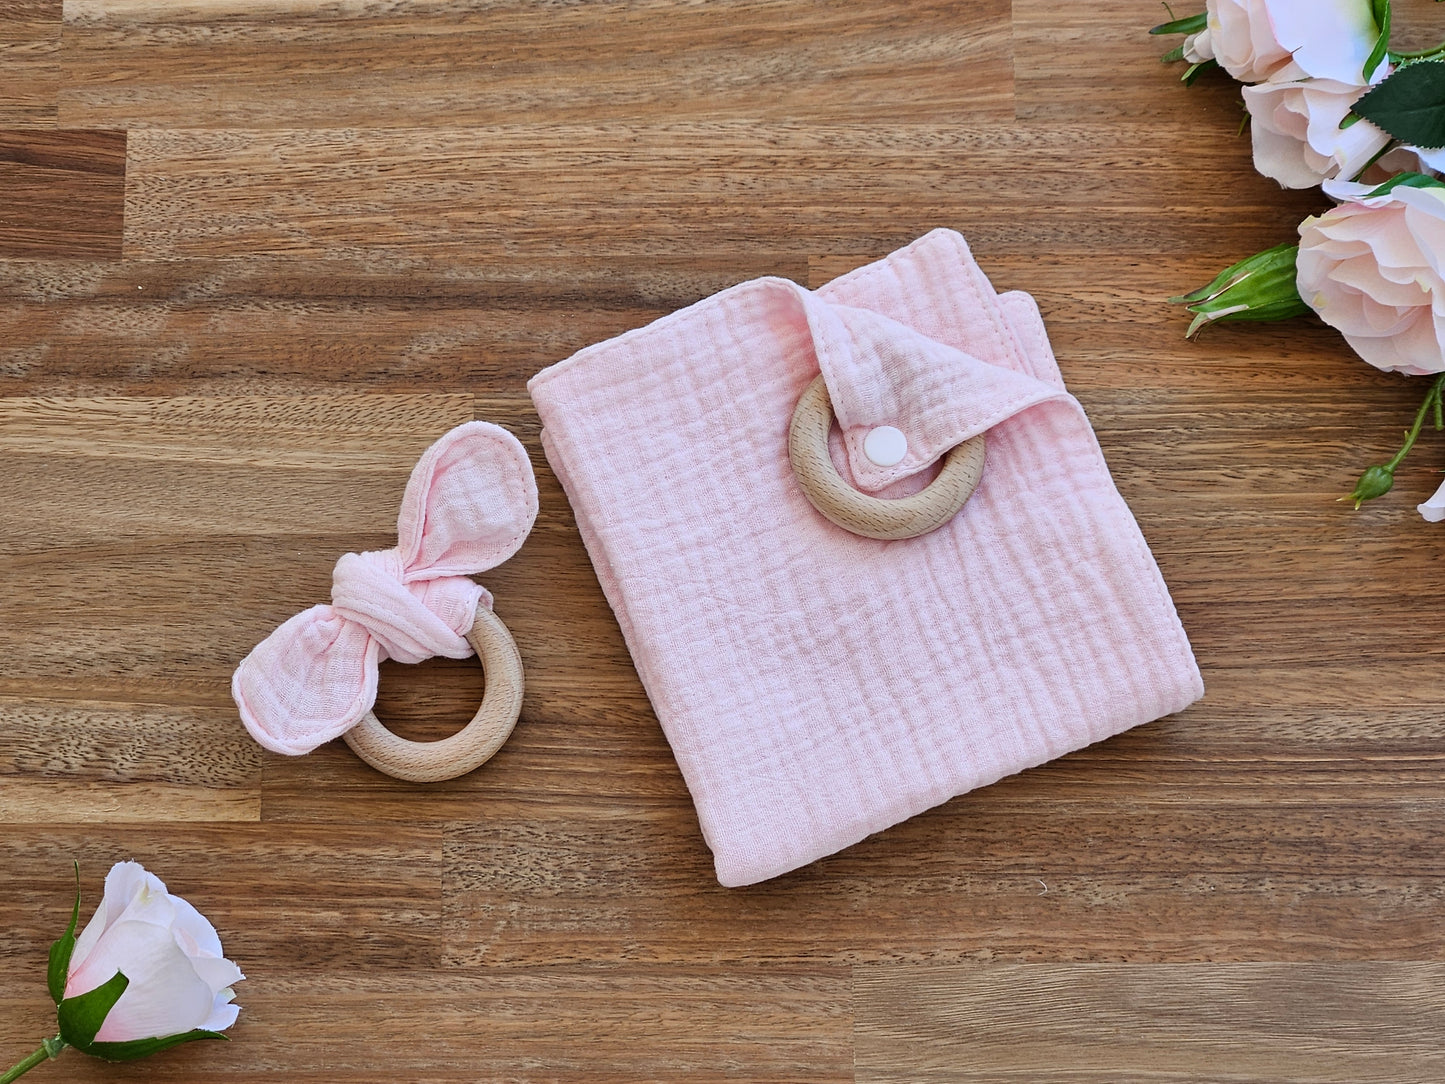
(468, 506)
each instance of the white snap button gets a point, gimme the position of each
(885, 446)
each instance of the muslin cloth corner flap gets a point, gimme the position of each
(817, 686)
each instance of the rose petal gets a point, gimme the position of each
(86, 942)
(1277, 154)
(1296, 132)
(216, 972)
(1198, 47)
(223, 1013)
(131, 893)
(197, 929)
(1329, 39)
(1434, 509)
(1413, 349)
(1243, 40)
(1363, 273)
(1432, 158)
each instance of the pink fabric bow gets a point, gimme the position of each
(468, 506)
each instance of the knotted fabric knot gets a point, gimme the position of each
(468, 506)
(410, 621)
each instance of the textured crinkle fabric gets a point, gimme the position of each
(817, 686)
(468, 506)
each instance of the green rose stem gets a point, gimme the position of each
(1433, 53)
(1377, 480)
(49, 1049)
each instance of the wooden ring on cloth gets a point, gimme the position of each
(473, 745)
(874, 517)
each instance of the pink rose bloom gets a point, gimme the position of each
(1371, 268)
(1255, 40)
(1295, 128)
(179, 981)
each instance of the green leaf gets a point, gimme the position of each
(1193, 24)
(1410, 104)
(1173, 55)
(144, 1048)
(82, 1015)
(1381, 11)
(1406, 180)
(61, 950)
(1196, 70)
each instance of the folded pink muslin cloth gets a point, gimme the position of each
(817, 686)
(468, 506)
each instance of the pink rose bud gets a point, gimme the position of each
(179, 981)
(1261, 287)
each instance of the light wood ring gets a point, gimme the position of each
(473, 745)
(874, 517)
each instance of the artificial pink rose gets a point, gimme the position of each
(1255, 40)
(179, 981)
(1371, 268)
(1295, 128)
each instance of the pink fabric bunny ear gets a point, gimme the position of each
(308, 682)
(468, 506)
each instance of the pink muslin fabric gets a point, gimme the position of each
(468, 506)
(817, 686)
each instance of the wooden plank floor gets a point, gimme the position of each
(255, 255)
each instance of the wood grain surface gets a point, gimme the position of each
(255, 255)
(64, 194)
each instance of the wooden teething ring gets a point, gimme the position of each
(474, 744)
(874, 517)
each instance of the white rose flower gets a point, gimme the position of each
(179, 981)
(1372, 268)
(1295, 129)
(1254, 40)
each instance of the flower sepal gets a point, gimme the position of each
(1261, 287)
(1190, 24)
(63, 949)
(81, 1016)
(1195, 48)
(144, 1048)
